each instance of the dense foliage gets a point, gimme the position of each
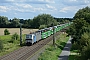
(63, 20)
(36, 22)
(15, 36)
(80, 31)
(6, 32)
(43, 19)
(3, 21)
(83, 13)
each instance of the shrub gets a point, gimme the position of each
(42, 26)
(6, 32)
(75, 46)
(85, 53)
(15, 37)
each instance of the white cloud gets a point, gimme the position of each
(50, 1)
(39, 9)
(4, 9)
(40, 1)
(76, 2)
(69, 8)
(23, 5)
(87, 1)
(72, 0)
(64, 10)
(50, 7)
(10, 0)
(15, 1)
(26, 8)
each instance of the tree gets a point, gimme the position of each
(85, 46)
(6, 32)
(15, 22)
(30, 22)
(43, 19)
(83, 13)
(3, 21)
(77, 29)
(63, 20)
(80, 31)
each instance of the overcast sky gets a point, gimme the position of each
(30, 8)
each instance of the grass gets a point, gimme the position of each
(52, 53)
(73, 55)
(8, 45)
(6, 39)
(9, 48)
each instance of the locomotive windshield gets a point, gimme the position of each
(29, 36)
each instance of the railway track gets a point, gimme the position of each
(24, 52)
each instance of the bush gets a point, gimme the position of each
(75, 46)
(1, 45)
(42, 26)
(50, 48)
(85, 54)
(15, 37)
(6, 32)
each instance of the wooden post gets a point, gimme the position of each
(53, 36)
(20, 35)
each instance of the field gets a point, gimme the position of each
(17, 30)
(8, 46)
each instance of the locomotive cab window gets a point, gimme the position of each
(29, 36)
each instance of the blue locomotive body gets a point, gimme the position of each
(32, 38)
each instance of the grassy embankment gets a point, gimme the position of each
(8, 45)
(52, 53)
(74, 53)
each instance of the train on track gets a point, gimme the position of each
(44, 33)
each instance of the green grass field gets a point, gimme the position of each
(6, 39)
(52, 53)
(8, 45)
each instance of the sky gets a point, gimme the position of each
(28, 9)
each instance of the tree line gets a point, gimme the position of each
(80, 32)
(44, 20)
